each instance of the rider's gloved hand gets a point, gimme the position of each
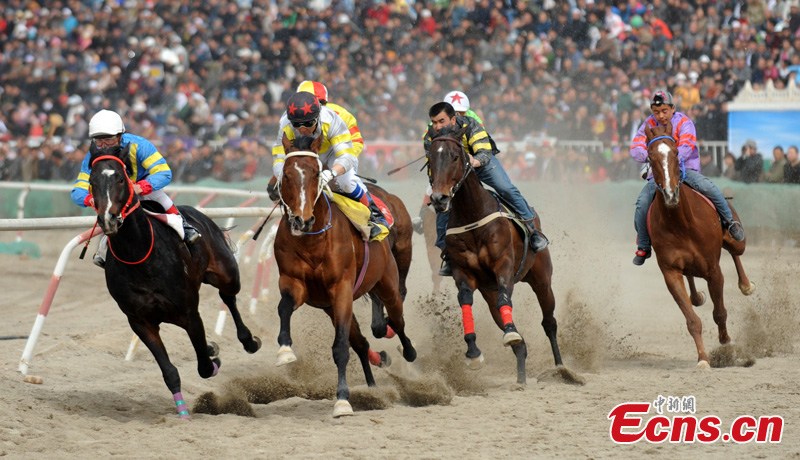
(272, 189)
(143, 187)
(88, 201)
(326, 176)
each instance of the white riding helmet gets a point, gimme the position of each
(458, 100)
(106, 123)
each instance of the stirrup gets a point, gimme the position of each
(99, 261)
(736, 230)
(446, 269)
(538, 241)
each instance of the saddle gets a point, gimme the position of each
(174, 221)
(359, 215)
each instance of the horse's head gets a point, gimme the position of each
(448, 166)
(662, 153)
(300, 185)
(111, 187)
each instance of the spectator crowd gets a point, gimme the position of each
(207, 81)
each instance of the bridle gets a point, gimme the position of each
(127, 209)
(320, 186)
(680, 161)
(462, 153)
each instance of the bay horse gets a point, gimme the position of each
(687, 237)
(487, 250)
(155, 278)
(324, 262)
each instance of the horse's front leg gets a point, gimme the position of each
(208, 363)
(148, 334)
(250, 342)
(342, 315)
(676, 286)
(511, 338)
(465, 299)
(286, 307)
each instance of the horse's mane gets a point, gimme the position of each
(303, 142)
(114, 151)
(449, 131)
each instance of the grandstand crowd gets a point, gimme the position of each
(207, 81)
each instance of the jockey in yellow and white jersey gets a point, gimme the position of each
(305, 116)
(318, 89)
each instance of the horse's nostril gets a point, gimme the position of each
(311, 221)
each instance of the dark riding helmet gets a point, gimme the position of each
(661, 96)
(302, 107)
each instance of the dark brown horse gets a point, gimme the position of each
(155, 278)
(487, 250)
(323, 261)
(687, 237)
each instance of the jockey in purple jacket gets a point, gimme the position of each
(685, 135)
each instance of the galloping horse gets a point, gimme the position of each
(155, 278)
(487, 250)
(687, 238)
(324, 262)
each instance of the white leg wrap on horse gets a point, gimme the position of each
(285, 356)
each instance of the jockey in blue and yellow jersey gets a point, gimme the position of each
(305, 116)
(149, 170)
(476, 142)
(685, 136)
(321, 91)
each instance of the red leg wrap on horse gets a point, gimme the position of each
(389, 332)
(469, 321)
(374, 357)
(505, 315)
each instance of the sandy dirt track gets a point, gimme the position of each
(619, 330)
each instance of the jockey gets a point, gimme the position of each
(663, 109)
(305, 117)
(489, 170)
(150, 171)
(318, 89)
(460, 103)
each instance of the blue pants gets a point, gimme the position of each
(694, 180)
(493, 175)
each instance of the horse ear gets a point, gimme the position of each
(287, 144)
(648, 132)
(669, 128)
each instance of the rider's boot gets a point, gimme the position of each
(446, 269)
(375, 215)
(537, 239)
(736, 230)
(642, 254)
(99, 257)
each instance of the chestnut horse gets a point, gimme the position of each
(323, 261)
(155, 278)
(687, 237)
(487, 250)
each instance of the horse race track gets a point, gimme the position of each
(619, 331)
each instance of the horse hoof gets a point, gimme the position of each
(285, 356)
(703, 365)
(511, 338)
(342, 408)
(474, 363)
(213, 350)
(699, 300)
(747, 290)
(386, 361)
(255, 345)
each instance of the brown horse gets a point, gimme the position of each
(323, 261)
(487, 250)
(687, 237)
